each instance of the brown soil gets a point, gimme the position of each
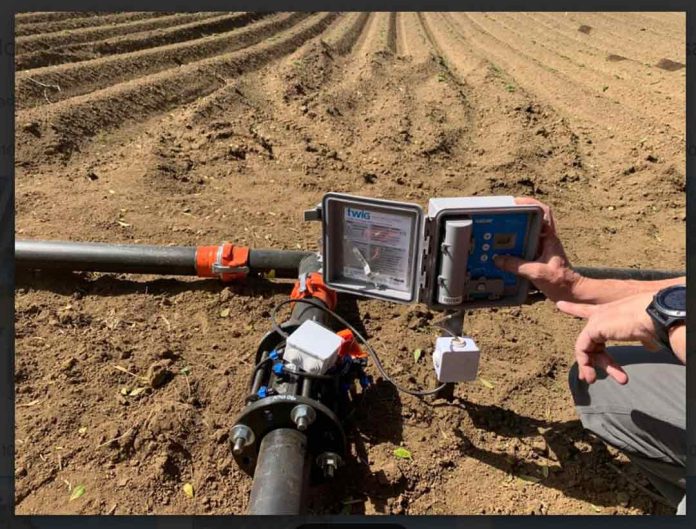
(203, 25)
(67, 37)
(230, 136)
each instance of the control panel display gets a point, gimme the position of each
(495, 234)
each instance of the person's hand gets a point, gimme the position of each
(551, 271)
(624, 320)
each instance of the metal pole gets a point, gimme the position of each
(280, 476)
(455, 325)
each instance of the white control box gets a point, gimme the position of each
(444, 258)
(313, 348)
(456, 359)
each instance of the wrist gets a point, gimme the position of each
(566, 285)
(585, 289)
(677, 340)
(597, 291)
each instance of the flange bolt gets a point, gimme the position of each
(303, 416)
(329, 463)
(242, 436)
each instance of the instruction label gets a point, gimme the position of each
(377, 247)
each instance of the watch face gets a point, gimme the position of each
(673, 300)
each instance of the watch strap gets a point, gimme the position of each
(661, 326)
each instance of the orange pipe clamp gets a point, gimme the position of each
(226, 261)
(312, 285)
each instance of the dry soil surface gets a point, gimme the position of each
(197, 128)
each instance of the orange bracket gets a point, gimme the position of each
(312, 285)
(226, 261)
(350, 346)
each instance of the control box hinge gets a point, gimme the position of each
(428, 227)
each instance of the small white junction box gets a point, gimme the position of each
(312, 348)
(456, 359)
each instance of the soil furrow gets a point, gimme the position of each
(645, 22)
(588, 103)
(415, 41)
(511, 132)
(137, 41)
(623, 91)
(609, 55)
(60, 39)
(301, 70)
(40, 86)
(50, 16)
(84, 22)
(605, 41)
(645, 44)
(64, 126)
(391, 33)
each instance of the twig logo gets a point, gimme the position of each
(359, 214)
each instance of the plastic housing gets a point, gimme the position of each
(456, 359)
(393, 251)
(312, 348)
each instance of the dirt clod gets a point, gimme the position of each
(158, 374)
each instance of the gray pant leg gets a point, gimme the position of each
(645, 418)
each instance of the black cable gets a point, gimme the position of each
(315, 376)
(356, 333)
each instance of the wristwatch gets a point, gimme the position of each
(668, 308)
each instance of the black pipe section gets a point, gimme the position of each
(282, 468)
(102, 257)
(628, 273)
(304, 311)
(181, 260)
(277, 260)
(139, 259)
(281, 474)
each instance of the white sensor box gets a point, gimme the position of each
(456, 359)
(312, 348)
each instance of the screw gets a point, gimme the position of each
(242, 436)
(329, 470)
(238, 446)
(329, 462)
(303, 416)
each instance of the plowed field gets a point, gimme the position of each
(196, 128)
